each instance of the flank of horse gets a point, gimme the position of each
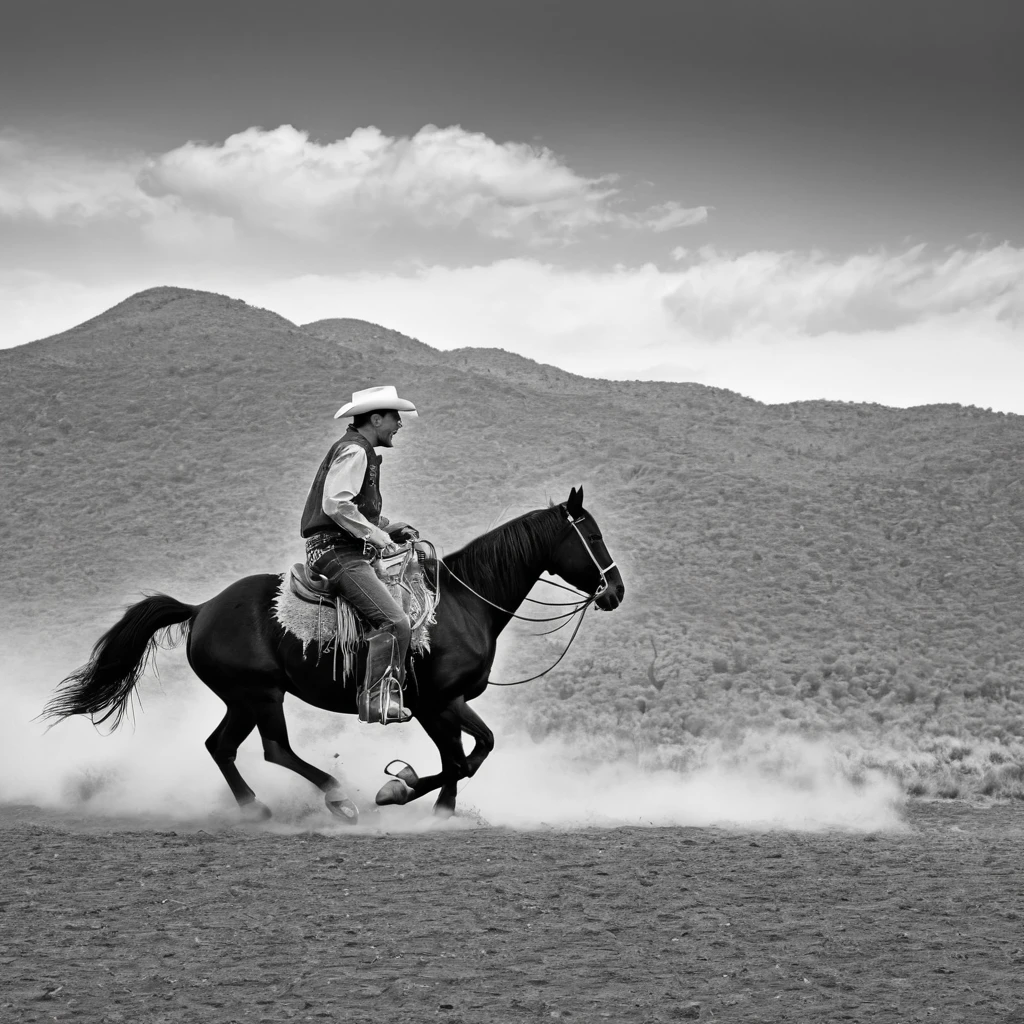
(237, 648)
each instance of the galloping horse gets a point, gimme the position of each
(238, 649)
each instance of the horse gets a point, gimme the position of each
(238, 649)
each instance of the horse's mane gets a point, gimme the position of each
(513, 543)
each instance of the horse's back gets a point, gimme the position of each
(234, 631)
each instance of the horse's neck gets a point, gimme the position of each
(521, 585)
(506, 585)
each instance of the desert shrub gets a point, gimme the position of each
(842, 669)
(811, 684)
(989, 785)
(695, 725)
(907, 693)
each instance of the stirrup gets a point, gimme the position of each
(383, 702)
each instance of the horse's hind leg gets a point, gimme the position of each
(223, 745)
(276, 749)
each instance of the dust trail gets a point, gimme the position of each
(157, 766)
(768, 782)
(162, 768)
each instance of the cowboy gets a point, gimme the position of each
(345, 534)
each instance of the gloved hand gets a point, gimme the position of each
(403, 533)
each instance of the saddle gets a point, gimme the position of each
(311, 586)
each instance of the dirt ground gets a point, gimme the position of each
(114, 921)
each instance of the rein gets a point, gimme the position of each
(576, 605)
(519, 682)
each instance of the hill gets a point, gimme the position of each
(816, 567)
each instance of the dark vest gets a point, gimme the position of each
(368, 500)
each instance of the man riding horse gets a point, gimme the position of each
(346, 534)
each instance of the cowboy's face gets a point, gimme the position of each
(387, 426)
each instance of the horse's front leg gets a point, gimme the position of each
(464, 719)
(470, 722)
(446, 733)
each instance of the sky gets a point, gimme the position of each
(794, 199)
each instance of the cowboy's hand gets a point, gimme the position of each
(391, 549)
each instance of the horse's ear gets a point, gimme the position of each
(575, 503)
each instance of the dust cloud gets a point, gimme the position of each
(159, 770)
(769, 782)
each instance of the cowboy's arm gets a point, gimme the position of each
(344, 479)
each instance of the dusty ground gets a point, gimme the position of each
(110, 921)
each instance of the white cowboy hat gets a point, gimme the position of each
(383, 397)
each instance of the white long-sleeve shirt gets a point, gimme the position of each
(341, 485)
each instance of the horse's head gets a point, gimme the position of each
(581, 558)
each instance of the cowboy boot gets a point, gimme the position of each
(379, 699)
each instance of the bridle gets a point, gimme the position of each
(603, 573)
(577, 607)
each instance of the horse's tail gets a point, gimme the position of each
(103, 688)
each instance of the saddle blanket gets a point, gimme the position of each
(320, 624)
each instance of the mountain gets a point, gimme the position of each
(814, 567)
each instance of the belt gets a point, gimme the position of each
(329, 539)
(320, 543)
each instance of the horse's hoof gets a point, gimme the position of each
(343, 808)
(444, 811)
(406, 772)
(394, 792)
(254, 811)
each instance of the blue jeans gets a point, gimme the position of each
(352, 576)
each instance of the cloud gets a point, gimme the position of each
(437, 182)
(671, 215)
(50, 184)
(758, 297)
(721, 296)
(437, 179)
